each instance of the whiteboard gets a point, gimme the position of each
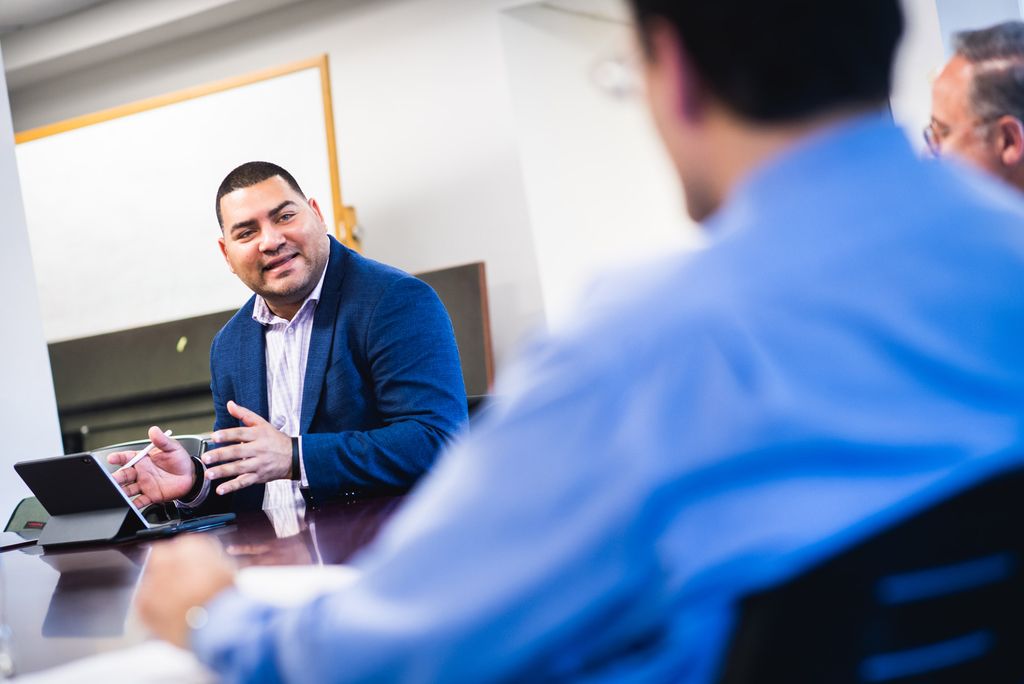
(120, 212)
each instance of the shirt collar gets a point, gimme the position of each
(845, 148)
(262, 314)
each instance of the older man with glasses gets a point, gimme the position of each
(978, 102)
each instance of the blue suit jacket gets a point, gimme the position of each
(383, 388)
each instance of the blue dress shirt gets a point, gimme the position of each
(847, 350)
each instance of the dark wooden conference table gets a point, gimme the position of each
(59, 606)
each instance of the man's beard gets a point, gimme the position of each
(302, 286)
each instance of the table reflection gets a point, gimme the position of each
(327, 535)
(58, 606)
(94, 591)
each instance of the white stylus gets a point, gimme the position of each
(142, 454)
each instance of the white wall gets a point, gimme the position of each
(426, 140)
(144, 156)
(960, 15)
(28, 412)
(470, 130)
(601, 192)
(918, 61)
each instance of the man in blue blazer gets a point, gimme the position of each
(339, 375)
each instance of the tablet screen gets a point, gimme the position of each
(75, 483)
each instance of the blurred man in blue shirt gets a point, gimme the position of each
(847, 345)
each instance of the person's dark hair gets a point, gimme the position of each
(997, 55)
(773, 61)
(251, 173)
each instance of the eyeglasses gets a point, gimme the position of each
(935, 132)
(932, 140)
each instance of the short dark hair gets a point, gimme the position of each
(997, 83)
(251, 173)
(781, 60)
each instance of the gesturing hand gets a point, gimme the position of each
(164, 475)
(261, 452)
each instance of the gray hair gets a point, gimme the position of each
(997, 55)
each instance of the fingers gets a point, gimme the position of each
(162, 441)
(232, 468)
(124, 477)
(129, 485)
(240, 482)
(242, 434)
(250, 418)
(141, 501)
(120, 457)
(224, 454)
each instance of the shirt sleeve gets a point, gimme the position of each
(518, 555)
(204, 489)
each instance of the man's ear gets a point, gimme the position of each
(671, 73)
(1010, 136)
(316, 210)
(224, 253)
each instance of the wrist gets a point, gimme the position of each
(196, 616)
(198, 478)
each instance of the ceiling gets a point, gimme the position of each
(614, 10)
(44, 39)
(19, 14)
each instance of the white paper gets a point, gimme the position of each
(154, 662)
(288, 585)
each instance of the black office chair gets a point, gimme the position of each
(938, 598)
(477, 405)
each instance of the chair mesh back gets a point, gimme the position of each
(937, 598)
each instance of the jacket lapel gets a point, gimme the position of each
(251, 392)
(252, 387)
(322, 335)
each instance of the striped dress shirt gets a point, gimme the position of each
(287, 348)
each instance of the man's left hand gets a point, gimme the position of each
(262, 453)
(180, 576)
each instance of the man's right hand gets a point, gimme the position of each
(167, 473)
